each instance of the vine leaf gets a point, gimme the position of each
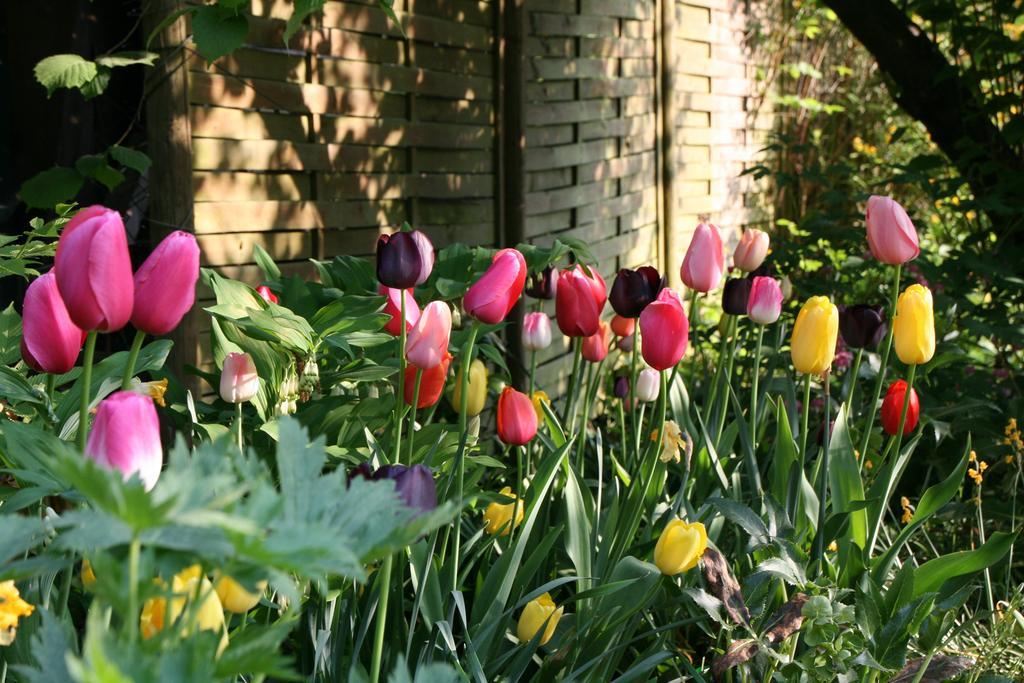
(217, 32)
(64, 71)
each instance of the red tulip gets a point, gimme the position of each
(126, 436)
(428, 340)
(891, 234)
(704, 262)
(266, 294)
(517, 420)
(578, 302)
(94, 270)
(623, 327)
(664, 330)
(892, 408)
(490, 298)
(50, 342)
(392, 307)
(165, 284)
(595, 347)
(431, 383)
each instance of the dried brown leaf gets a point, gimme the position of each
(724, 586)
(739, 651)
(787, 619)
(941, 668)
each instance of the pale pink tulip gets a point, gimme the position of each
(238, 379)
(751, 250)
(765, 302)
(891, 234)
(428, 339)
(536, 331)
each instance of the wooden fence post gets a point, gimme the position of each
(667, 115)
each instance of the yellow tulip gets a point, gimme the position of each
(498, 516)
(539, 398)
(477, 388)
(680, 546)
(813, 344)
(235, 598)
(187, 586)
(536, 612)
(913, 328)
(12, 609)
(88, 575)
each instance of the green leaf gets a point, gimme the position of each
(578, 530)
(741, 515)
(64, 71)
(95, 166)
(785, 453)
(388, 7)
(127, 59)
(266, 263)
(16, 389)
(218, 33)
(130, 158)
(10, 336)
(847, 488)
(301, 10)
(50, 187)
(931, 575)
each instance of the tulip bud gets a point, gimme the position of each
(891, 234)
(393, 308)
(428, 340)
(813, 344)
(538, 613)
(491, 297)
(704, 262)
(431, 382)
(544, 284)
(536, 331)
(892, 409)
(94, 270)
(266, 294)
(426, 250)
(680, 547)
(634, 289)
(648, 385)
(621, 387)
(595, 347)
(498, 517)
(50, 341)
(579, 302)
(664, 331)
(238, 379)
(399, 263)
(862, 326)
(234, 597)
(765, 302)
(517, 420)
(477, 389)
(913, 328)
(165, 284)
(751, 250)
(623, 327)
(736, 296)
(125, 436)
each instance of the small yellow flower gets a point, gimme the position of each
(680, 547)
(869, 465)
(155, 390)
(88, 576)
(908, 510)
(1008, 459)
(970, 215)
(833, 547)
(540, 398)
(498, 516)
(934, 218)
(973, 457)
(856, 454)
(12, 608)
(538, 611)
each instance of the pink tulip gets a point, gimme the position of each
(126, 436)
(266, 294)
(428, 340)
(664, 330)
(765, 302)
(426, 249)
(490, 298)
(595, 347)
(891, 233)
(578, 302)
(392, 306)
(165, 284)
(94, 270)
(238, 379)
(517, 419)
(751, 250)
(536, 331)
(704, 262)
(50, 341)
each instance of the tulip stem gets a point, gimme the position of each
(412, 417)
(805, 418)
(911, 372)
(533, 371)
(519, 493)
(239, 433)
(400, 396)
(134, 550)
(634, 375)
(753, 396)
(83, 410)
(819, 536)
(571, 396)
(733, 328)
(854, 372)
(467, 362)
(383, 582)
(881, 370)
(133, 356)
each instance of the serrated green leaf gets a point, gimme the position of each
(130, 158)
(64, 71)
(49, 187)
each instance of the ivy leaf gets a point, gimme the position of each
(127, 59)
(216, 33)
(130, 158)
(44, 190)
(64, 71)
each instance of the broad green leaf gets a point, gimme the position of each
(130, 158)
(266, 263)
(16, 389)
(785, 453)
(932, 574)
(578, 526)
(217, 32)
(847, 488)
(46, 189)
(64, 71)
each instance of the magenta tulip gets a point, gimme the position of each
(578, 302)
(664, 330)
(266, 294)
(595, 347)
(125, 436)
(891, 234)
(765, 302)
(490, 298)
(238, 379)
(392, 306)
(517, 419)
(428, 340)
(426, 249)
(165, 284)
(94, 270)
(536, 331)
(704, 262)
(50, 341)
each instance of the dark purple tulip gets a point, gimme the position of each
(862, 326)
(621, 389)
(399, 262)
(543, 285)
(634, 289)
(735, 296)
(416, 486)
